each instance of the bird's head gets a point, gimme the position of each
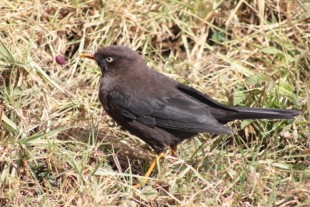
(114, 59)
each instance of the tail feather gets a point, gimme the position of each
(260, 113)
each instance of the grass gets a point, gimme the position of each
(59, 148)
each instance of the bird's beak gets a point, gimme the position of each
(89, 56)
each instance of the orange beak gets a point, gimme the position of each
(89, 56)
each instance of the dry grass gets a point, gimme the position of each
(58, 147)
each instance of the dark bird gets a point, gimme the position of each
(161, 111)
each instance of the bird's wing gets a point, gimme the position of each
(176, 112)
(203, 98)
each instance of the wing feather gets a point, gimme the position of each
(176, 112)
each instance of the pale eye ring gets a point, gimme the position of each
(109, 59)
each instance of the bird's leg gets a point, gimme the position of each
(150, 170)
(174, 150)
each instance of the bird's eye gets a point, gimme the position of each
(109, 59)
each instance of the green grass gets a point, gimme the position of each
(59, 148)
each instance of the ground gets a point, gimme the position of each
(59, 148)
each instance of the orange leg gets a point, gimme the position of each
(150, 170)
(174, 151)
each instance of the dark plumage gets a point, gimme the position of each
(161, 111)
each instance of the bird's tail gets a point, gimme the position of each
(260, 113)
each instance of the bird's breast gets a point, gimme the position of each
(103, 97)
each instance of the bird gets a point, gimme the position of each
(161, 111)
